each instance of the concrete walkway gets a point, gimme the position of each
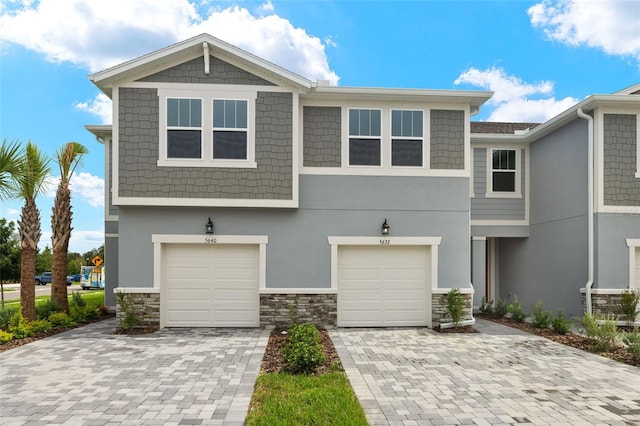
(90, 376)
(415, 376)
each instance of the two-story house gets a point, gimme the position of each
(242, 194)
(555, 207)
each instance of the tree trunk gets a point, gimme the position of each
(28, 283)
(61, 228)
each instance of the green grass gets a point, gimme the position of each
(285, 399)
(96, 296)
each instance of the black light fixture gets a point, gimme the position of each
(209, 227)
(385, 228)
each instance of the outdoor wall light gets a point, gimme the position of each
(209, 227)
(385, 228)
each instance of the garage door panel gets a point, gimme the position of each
(382, 286)
(211, 286)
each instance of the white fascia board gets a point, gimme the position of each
(203, 202)
(100, 131)
(478, 139)
(475, 98)
(190, 47)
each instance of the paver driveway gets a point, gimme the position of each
(91, 376)
(500, 376)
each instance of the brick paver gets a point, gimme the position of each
(502, 376)
(91, 376)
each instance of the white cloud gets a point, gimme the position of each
(610, 25)
(84, 186)
(96, 34)
(99, 106)
(84, 240)
(13, 212)
(513, 99)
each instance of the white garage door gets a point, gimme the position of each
(382, 286)
(210, 286)
(636, 284)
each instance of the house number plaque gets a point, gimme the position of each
(210, 241)
(385, 242)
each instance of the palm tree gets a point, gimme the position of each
(69, 157)
(9, 156)
(32, 173)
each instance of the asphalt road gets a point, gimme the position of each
(41, 290)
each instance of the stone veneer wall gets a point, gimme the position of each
(439, 308)
(146, 306)
(605, 304)
(319, 309)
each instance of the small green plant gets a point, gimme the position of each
(302, 351)
(501, 309)
(40, 325)
(516, 311)
(602, 331)
(629, 301)
(561, 324)
(5, 316)
(76, 313)
(45, 307)
(5, 337)
(61, 320)
(77, 300)
(92, 312)
(486, 307)
(126, 303)
(455, 306)
(19, 326)
(541, 318)
(292, 307)
(632, 340)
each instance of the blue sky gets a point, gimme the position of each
(539, 57)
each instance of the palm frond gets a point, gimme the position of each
(10, 154)
(69, 157)
(33, 170)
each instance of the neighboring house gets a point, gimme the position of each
(555, 207)
(241, 194)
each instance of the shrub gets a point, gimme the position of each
(516, 311)
(303, 352)
(61, 319)
(501, 309)
(45, 308)
(455, 306)
(541, 318)
(606, 335)
(5, 337)
(126, 302)
(5, 316)
(486, 308)
(76, 313)
(19, 326)
(92, 312)
(590, 324)
(632, 340)
(41, 325)
(629, 301)
(561, 324)
(77, 300)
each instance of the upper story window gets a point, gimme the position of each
(406, 138)
(230, 129)
(184, 128)
(364, 137)
(214, 128)
(504, 172)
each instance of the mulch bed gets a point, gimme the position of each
(455, 330)
(619, 353)
(41, 335)
(273, 362)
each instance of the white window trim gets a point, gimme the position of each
(345, 146)
(406, 138)
(518, 183)
(207, 96)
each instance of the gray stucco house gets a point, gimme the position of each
(241, 194)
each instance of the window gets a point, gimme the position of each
(230, 129)
(207, 127)
(364, 137)
(184, 128)
(503, 170)
(406, 138)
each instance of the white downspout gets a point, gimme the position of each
(590, 167)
